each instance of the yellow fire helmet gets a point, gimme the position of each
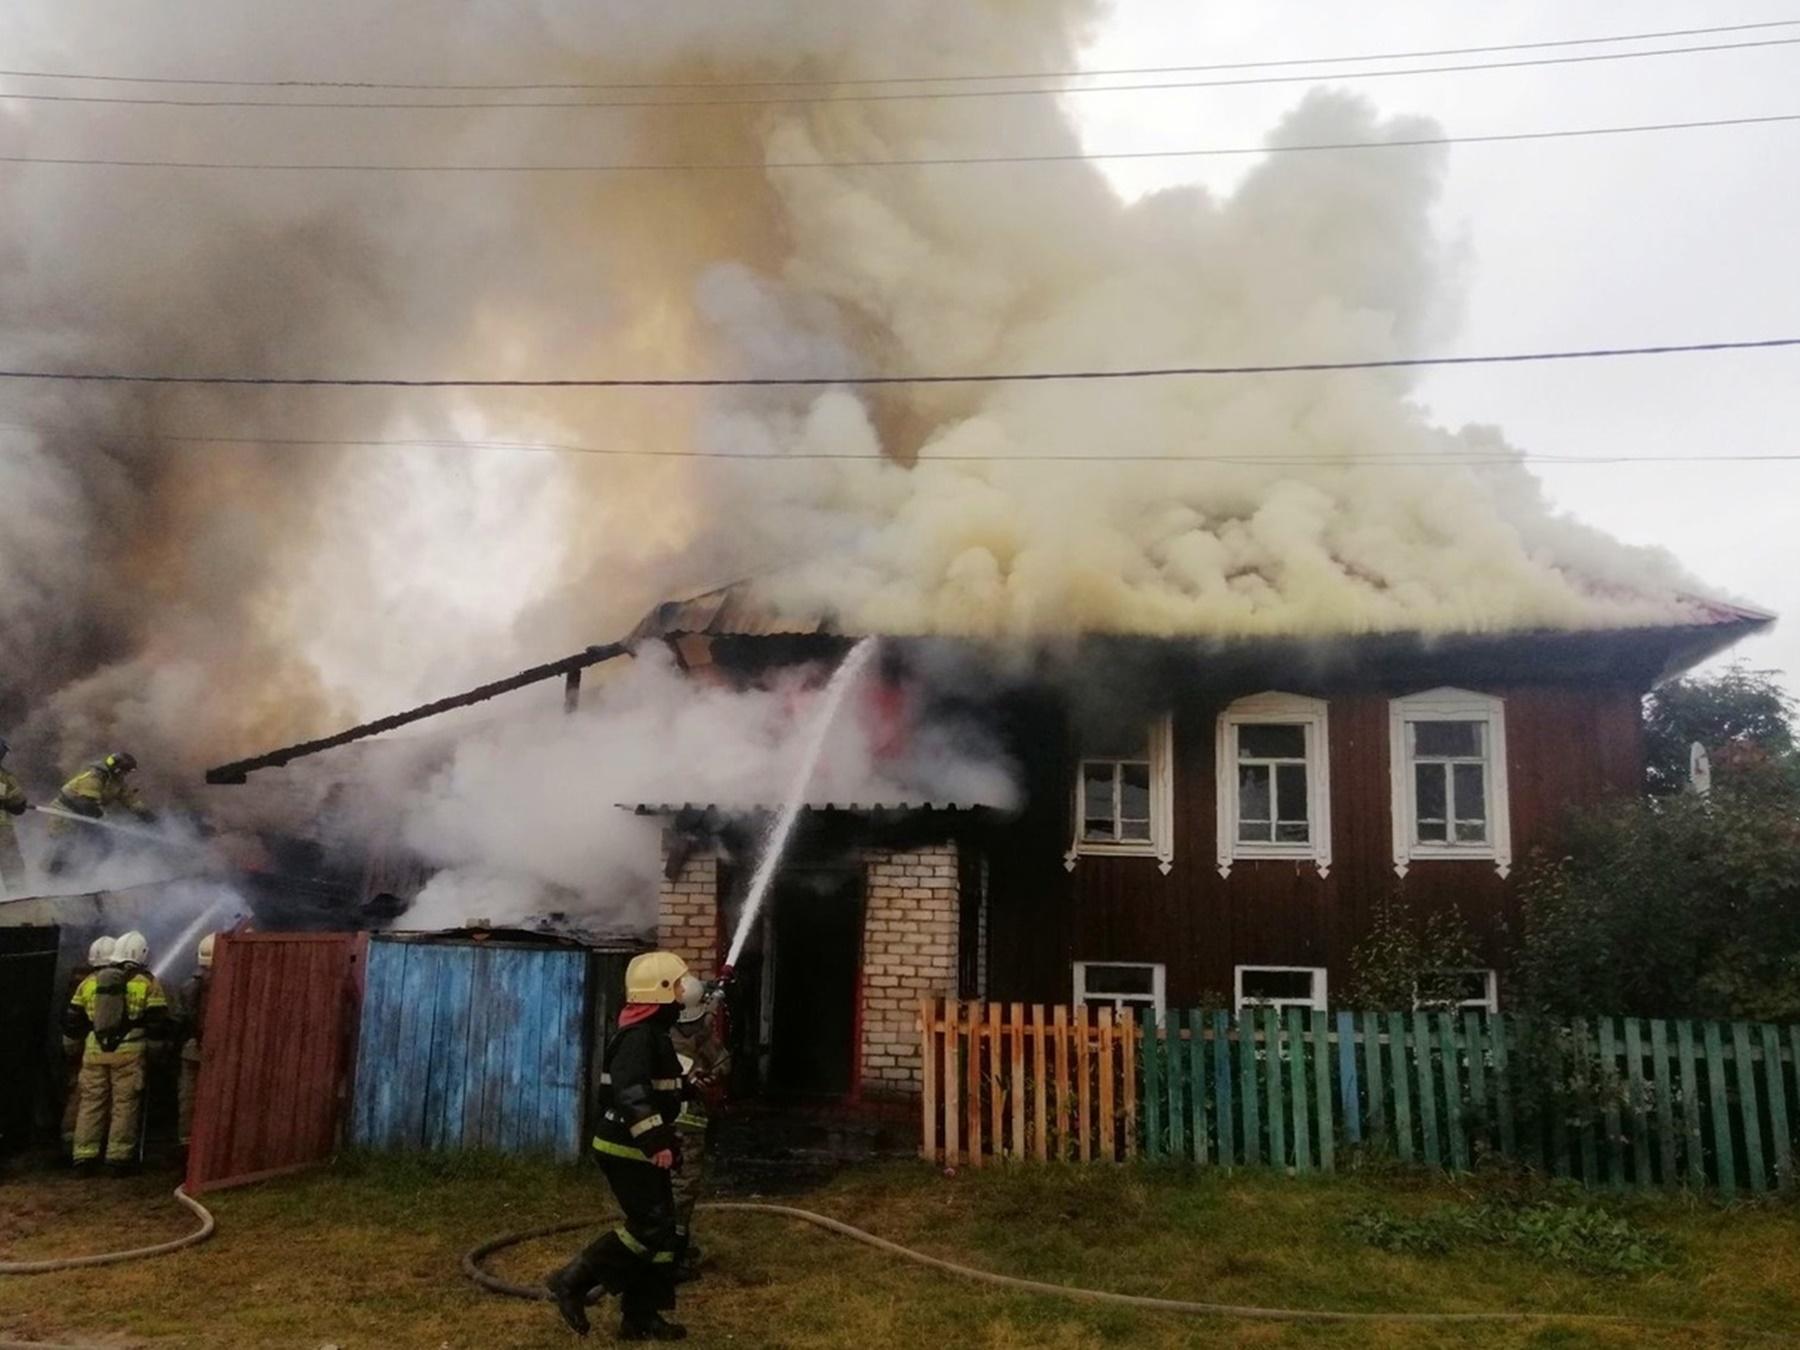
(654, 977)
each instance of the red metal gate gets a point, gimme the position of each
(280, 1033)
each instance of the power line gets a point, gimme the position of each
(1404, 459)
(800, 381)
(894, 79)
(760, 166)
(889, 96)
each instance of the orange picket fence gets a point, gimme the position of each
(1011, 1081)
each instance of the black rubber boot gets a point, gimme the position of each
(687, 1265)
(86, 1167)
(651, 1327)
(570, 1301)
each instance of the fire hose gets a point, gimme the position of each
(473, 1268)
(199, 1235)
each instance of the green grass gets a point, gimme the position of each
(366, 1253)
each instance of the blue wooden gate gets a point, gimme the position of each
(472, 1045)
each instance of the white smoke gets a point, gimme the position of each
(199, 601)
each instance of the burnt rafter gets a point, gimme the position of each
(568, 668)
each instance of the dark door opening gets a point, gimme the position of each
(816, 921)
(27, 998)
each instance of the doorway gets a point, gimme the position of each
(813, 969)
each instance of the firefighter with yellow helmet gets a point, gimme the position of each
(113, 1015)
(97, 789)
(705, 1066)
(636, 1143)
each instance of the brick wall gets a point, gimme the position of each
(687, 913)
(909, 953)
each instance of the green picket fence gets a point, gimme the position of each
(1618, 1102)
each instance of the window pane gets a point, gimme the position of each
(1135, 830)
(1254, 815)
(1134, 791)
(1267, 986)
(1271, 741)
(1429, 803)
(1471, 802)
(1447, 740)
(1097, 792)
(1290, 794)
(1121, 979)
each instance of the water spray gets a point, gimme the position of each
(775, 843)
(135, 832)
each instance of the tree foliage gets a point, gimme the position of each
(1406, 961)
(1729, 713)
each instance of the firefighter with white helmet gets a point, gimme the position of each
(636, 1143)
(99, 955)
(706, 1064)
(193, 1019)
(114, 1013)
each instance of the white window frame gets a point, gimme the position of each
(1448, 705)
(1316, 1002)
(1490, 999)
(1161, 843)
(1156, 998)
(1284, 709)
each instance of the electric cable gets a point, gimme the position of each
(473, 1268)
(889, 96)
(931, 161)
(814, 381)
(198, 1235)
(895, 79)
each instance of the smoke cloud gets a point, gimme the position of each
(197, 599)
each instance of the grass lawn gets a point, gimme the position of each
(366, 1254)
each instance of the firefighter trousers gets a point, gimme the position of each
(636, 1260)
(187, 1085)
(687, 1180)
(111, 1086)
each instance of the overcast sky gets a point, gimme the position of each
(1623, 240)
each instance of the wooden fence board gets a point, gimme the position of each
(1222, 1103)
(1349, 1090)
(1174, 1067)
(1063, 1150)
(1158, 1133)
(928, 1078)
(1276, 1106)
(953, 1078)
(1378, 1112)
(1778, 1112)
(1105, 1075)
(1247, 1093)
(1084, 1088)
(1662, 1083)
(972, 1063)
(1503, 1088)
(1450, 1066)
(1300, 1129)
(1400, 1064)
(1640, 1120)
(1128, 1070)
(996, 1060)
(1321, 1039)
(1749, 1106)
(1427, 1088)
(1197, 1133)
(1474, 1042)
(1724, 1154)
(1015, 1029)
(1693, 1153)
(1609, 1080)
(1040, 1084)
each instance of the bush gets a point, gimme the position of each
(1403, 961)
(1580, 1235)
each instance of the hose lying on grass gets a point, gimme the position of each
(200, 1234)
(472, 1267)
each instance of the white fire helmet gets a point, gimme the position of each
(205, 954)
(132, 949)
(692, 993)
(100, 951)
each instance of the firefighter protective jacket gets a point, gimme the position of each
(93, 791)
(701, 1042)
(12, 796)
(640, 1093)
(146, 1010)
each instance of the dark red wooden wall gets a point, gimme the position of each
(280, 1032)
(1566, 744)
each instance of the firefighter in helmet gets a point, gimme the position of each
(705, 1064)
(635, 1141)
(193, 1021)
(112, 1017)
(97, 789)
(12, 803)
(99, 956)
